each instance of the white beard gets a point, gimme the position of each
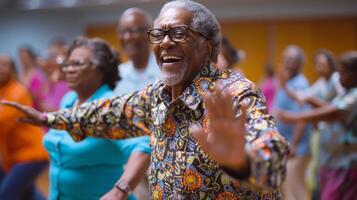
(172, 79)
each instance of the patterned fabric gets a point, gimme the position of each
(74, 164)
(339, 139)
(179, 167)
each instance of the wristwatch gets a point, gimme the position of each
(123, 186)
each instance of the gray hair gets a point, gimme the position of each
(203, 21)
(298, 51)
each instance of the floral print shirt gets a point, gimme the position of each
(179, 167)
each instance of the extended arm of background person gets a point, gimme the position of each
(316, 102)
(135, 170)
(114, 118)
(325, 113)
(243, 138)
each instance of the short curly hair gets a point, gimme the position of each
(203, 21)
(105, 58)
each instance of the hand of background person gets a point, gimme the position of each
(224, 140)
(33, 116)
(286, 116)
(114, 194)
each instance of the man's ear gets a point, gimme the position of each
(209, 50)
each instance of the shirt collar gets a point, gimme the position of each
(96, 95)
(192, 96)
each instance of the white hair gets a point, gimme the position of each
(203, 21)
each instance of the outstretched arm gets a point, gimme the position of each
(325, 113)
(116, 118)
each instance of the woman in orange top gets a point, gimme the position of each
(21, 153)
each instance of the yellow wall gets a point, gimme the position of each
(264, 40)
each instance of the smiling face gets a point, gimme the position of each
(132, 33)
(322, 66)
(180, 62)
(80, 73)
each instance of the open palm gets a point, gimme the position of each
(33, 116)
(224, 139)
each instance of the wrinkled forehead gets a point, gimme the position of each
(173, 16)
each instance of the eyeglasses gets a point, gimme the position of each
(176, 34)
(77, 64)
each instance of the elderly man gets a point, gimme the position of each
(297, 134)
(141, 69)
(240, 154)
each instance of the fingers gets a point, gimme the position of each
(219, 103)
(30, 121)
(243, 115)
(14, 105)
(33, 116)
(201, 137)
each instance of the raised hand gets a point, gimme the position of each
(224, 140)
(33, 116)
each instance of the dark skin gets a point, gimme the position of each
(135, 44)
(323, 70)
(326, 112)
(186, 50)
(217, 141)
(292, 67)
(86, 79)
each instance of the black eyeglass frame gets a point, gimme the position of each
(167, 32)
(77, 65)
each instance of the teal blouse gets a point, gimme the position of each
(87, 169)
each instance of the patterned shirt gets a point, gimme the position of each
(179, 167)
(339, 139)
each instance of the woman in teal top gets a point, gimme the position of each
(90, 168)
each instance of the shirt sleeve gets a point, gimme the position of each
(267, 150)
(115, 118)
(132, 145)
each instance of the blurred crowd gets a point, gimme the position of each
(317, 119)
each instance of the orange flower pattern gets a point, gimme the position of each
(179, 167)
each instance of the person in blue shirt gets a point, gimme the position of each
(294, 186)
(90, 168)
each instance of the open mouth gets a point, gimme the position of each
(171, 59)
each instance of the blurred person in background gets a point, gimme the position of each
(294, 187)
(230, 57)
(325, 88)
(269, 86)
(56, 86)
(21, 150)
(141, 69)
(338, 157)
(198, 152)
(33, 76)
(90, 168)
